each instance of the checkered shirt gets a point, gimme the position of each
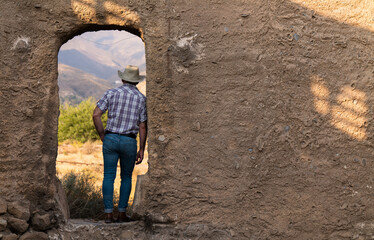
(126, 109)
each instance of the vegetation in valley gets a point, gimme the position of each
(75, 122)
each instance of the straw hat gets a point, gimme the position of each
(131, 74)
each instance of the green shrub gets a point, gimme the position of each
(84, 198)
(75, 122)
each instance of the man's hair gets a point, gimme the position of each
(123, 81)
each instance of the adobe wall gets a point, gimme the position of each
(260, 112)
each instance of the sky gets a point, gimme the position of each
(111, 48)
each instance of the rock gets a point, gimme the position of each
(198, 125)
(296, 36)
(19, 210)
(17, 225)
(161, 138)
(364, 162)
(217, 235)
(41, 222)
(138, 208)
(48, 205)
(195, 231)
(61, 199)
(3, 224)
(10, 237)
(237, 165)
(287, 128)
(3, 206)
(157, 218)
(126, 235)
(34, 236)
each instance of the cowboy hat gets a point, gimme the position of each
(131, 74)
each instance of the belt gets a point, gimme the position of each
(132, 135)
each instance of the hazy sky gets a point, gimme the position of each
(109, 48)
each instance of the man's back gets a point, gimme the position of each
(126, 109)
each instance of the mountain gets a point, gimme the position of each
(76, 85)
(76, 59)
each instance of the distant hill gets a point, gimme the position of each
(76, 85)
(78, 60)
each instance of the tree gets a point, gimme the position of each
(75, 122)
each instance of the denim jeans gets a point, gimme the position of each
(116, 146)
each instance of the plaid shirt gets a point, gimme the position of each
(126, 109)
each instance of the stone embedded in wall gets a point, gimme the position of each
(50, 204)
(138, 209)
(41, 222)
(195, 230)
(17, 225)
(10, 237)
(34, 236)
(217, 234)
(157, 218)
(186, 51)
(21, 44)
(3, 206)
(161, 138)
(3, 224)
(19, 210)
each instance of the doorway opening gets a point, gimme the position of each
(87, 68)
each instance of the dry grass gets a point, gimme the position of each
(77, 157)
(89, 148)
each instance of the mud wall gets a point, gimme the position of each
(260, 112)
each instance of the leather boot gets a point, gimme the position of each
(109, 218)
(122, 217)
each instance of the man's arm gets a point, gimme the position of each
(142, 138)
(96, 117)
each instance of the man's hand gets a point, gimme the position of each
(96, 116)
(139, 156)
(142, 137)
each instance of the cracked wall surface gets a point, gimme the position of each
(260, 112)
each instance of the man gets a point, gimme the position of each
(126, 117)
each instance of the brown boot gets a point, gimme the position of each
(122, 217)
(109, 218)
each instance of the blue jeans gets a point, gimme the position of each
(116, 146)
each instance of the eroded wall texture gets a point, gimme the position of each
(260, 112)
